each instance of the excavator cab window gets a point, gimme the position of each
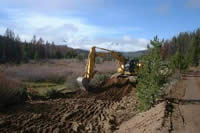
(131, 65)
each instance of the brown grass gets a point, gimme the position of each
(53, 70)
(11, 91)
(8, 83)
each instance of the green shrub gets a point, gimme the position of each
(11, 91)
(99, 60)
(23, 93)
(71, 83)
(80, 57)
(99, 79)
(52, 93)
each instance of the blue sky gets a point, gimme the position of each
(123, 25)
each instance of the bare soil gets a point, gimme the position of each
(146, 122)
(84, 112)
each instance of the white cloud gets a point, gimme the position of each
(192, 3)
(75, 31)
(123, 43)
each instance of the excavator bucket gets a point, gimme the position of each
(83, 83)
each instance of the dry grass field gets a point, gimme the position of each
(51, 74)
(53, 70)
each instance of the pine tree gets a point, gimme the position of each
(36, 56)
(34, 40)
(150, 79)
(195, 51)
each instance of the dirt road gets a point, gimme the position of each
(189, 107)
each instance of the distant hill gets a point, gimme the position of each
(134, 54)
(81, 51)
(126, 54)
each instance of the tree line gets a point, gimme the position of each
(13, 49)
(185, 48)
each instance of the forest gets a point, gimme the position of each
(186, 45)
(13, 49)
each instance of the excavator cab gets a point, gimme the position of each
(132, 66)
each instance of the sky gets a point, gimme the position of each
(122, 25)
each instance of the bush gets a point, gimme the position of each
(52, 93)
(11, 91)
(150, 77)
(80, 57)
(71, 83)
(99, 79)
(99, 60)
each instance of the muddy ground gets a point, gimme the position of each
(84, 112)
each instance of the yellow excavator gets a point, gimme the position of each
(126, 68)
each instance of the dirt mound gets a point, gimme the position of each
(120, 82)
(84, 112)
(115, 93)
(113, 89)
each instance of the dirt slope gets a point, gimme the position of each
(146, 122)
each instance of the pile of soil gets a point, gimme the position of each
(113, 89)
(116, 89)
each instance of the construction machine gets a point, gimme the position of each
(126, 67)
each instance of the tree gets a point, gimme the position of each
(34, 40)
(36, 56)
(195, 51)
(9, 34)
(40, 41)
(17, 38)
(179, 61)
(150, 79)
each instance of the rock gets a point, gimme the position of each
(75, 126)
